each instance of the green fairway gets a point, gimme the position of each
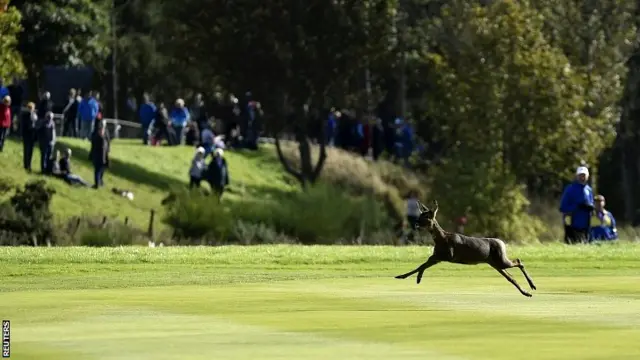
(277, 302)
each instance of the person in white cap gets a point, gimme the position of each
(197, 168)
(576, 206)
(217, 174)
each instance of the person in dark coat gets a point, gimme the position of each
(45, 105)
(377, 138)
(217, 173)
(28, 128)
(99, 154)
(46, 141)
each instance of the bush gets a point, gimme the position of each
(321, 215)
(111, 235)
(196, 216)
(27, 214)
(386, 181)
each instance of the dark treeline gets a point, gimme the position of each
(509, 97)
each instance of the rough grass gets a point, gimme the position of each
(151, 171)
(320, 302)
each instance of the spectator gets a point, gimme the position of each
(53, 165)
(65, 170)
(198, 111)
(413, 213)
(88, 112)
(28, 128)
(4, 91)
(163, 127)
(197, 168)
(208, 139)
(576, 206)
(45, 105)
(603, 224)
(217, 173)
(99, 154)
(147, 115)
(17, 93)
(70, 114)
(377, 138)
(5, 119)
(179, 118)
(404, 141)
(46, 139)
(192, 135)
(332, 126)
(132, 106)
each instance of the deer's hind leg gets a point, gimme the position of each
(513, 281)
(517, 263)
(501, 261)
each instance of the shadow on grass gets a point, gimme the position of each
(132, 172)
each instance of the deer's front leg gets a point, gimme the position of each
(420, 269)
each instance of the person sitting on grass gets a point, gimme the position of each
(602, 224)
(197, 167)
(65, 170)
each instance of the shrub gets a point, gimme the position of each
(196, 216)
(247, 233)
(27, 214)
(111, 235)
(387, 182)
(321, 215)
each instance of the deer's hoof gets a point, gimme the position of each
(400, 277)
(527, 294)
(533, 287)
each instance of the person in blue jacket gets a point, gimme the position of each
(147, 115)
(603, 224)
(577, 206)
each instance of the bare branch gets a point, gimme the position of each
(287, 167)
(321, 160)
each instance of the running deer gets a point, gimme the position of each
(467, 250)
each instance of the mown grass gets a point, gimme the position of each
(316, 302)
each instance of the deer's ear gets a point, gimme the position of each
(422, 207)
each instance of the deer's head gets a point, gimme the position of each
(427, 217)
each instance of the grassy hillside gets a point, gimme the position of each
(151, 171)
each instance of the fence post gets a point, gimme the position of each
(104, 221)
(126, 220)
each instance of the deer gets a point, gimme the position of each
(467, 250)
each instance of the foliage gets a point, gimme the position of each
(116, 234)
(27, 214)
(195, 217)
(322, 215)
(63, 32)
(10, 58)
(509, 105)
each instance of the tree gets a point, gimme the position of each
(510, 105)
(287, 56)
(62, 32)
(10, 59)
